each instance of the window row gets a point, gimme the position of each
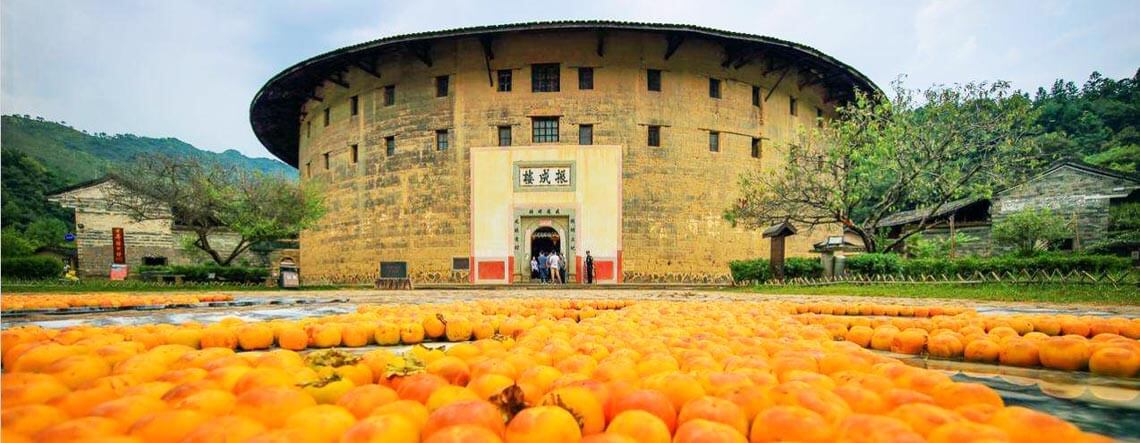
(545, 77)
(543, 130)
(442, 142)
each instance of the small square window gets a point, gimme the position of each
(714, 141)
(460, 263)
(389, 95)
(354, 105)
(545, 130)
(756, 146)
(585, 78)
(654, 136)
(326, 156)
(756, 96)
(355, 153)
(819, 117)
(544, 77)
(504, 135)
(714, 88)
(390, 145)
(653, 79)
(585, 134)
(441, 86)
(505, 80)
(792, 102)
(327, 116)
(441, 139)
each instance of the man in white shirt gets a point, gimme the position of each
(555, 263)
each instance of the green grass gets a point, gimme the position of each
(1036, 292)
(20, 287)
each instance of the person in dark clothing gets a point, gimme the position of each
(589, 268)
(543, 267)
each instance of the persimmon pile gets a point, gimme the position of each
(531, 371)
(1101, 345)
(13, 303)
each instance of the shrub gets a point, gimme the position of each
(1029, 231)
(755, 270)
(874, 264)
(889, 264)
(800, 267)
(1013, 264)
(31, 268)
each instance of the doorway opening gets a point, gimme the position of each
(545, 239)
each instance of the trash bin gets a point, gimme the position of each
(288, 276)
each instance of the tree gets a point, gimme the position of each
(882, 156)
(1099, 122)
(208, 198)
(24, 188)
(1029, 231)
(13, 244)
(45, 232)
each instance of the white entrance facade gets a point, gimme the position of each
(565, 197)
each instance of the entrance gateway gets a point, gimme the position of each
(529, 199)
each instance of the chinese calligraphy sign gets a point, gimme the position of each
(544, 177)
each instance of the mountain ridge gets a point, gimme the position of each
(76, 156)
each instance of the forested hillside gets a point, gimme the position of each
(1098, 122)
(76, 156)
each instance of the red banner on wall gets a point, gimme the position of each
(118, 246)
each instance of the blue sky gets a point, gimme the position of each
(188, 69)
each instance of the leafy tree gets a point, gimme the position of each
(24, 186)
(1029, 231)
(1099, 122)
(936, 247)
(1124, 158)
(13, 244)
(208, 198)
(883, 155)
(45, 232)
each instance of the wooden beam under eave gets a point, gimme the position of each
(672, 42)
(776, 85)
(774, 66)
(734, 55)
(488, 54)
(369, 68)
(808, 77)
(422, 51)
(338, 79)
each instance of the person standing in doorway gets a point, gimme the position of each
(533, 268)
(555, 265)
(543, 267)
(562, 272)
(589, 268)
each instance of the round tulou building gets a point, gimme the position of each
(457, 155)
